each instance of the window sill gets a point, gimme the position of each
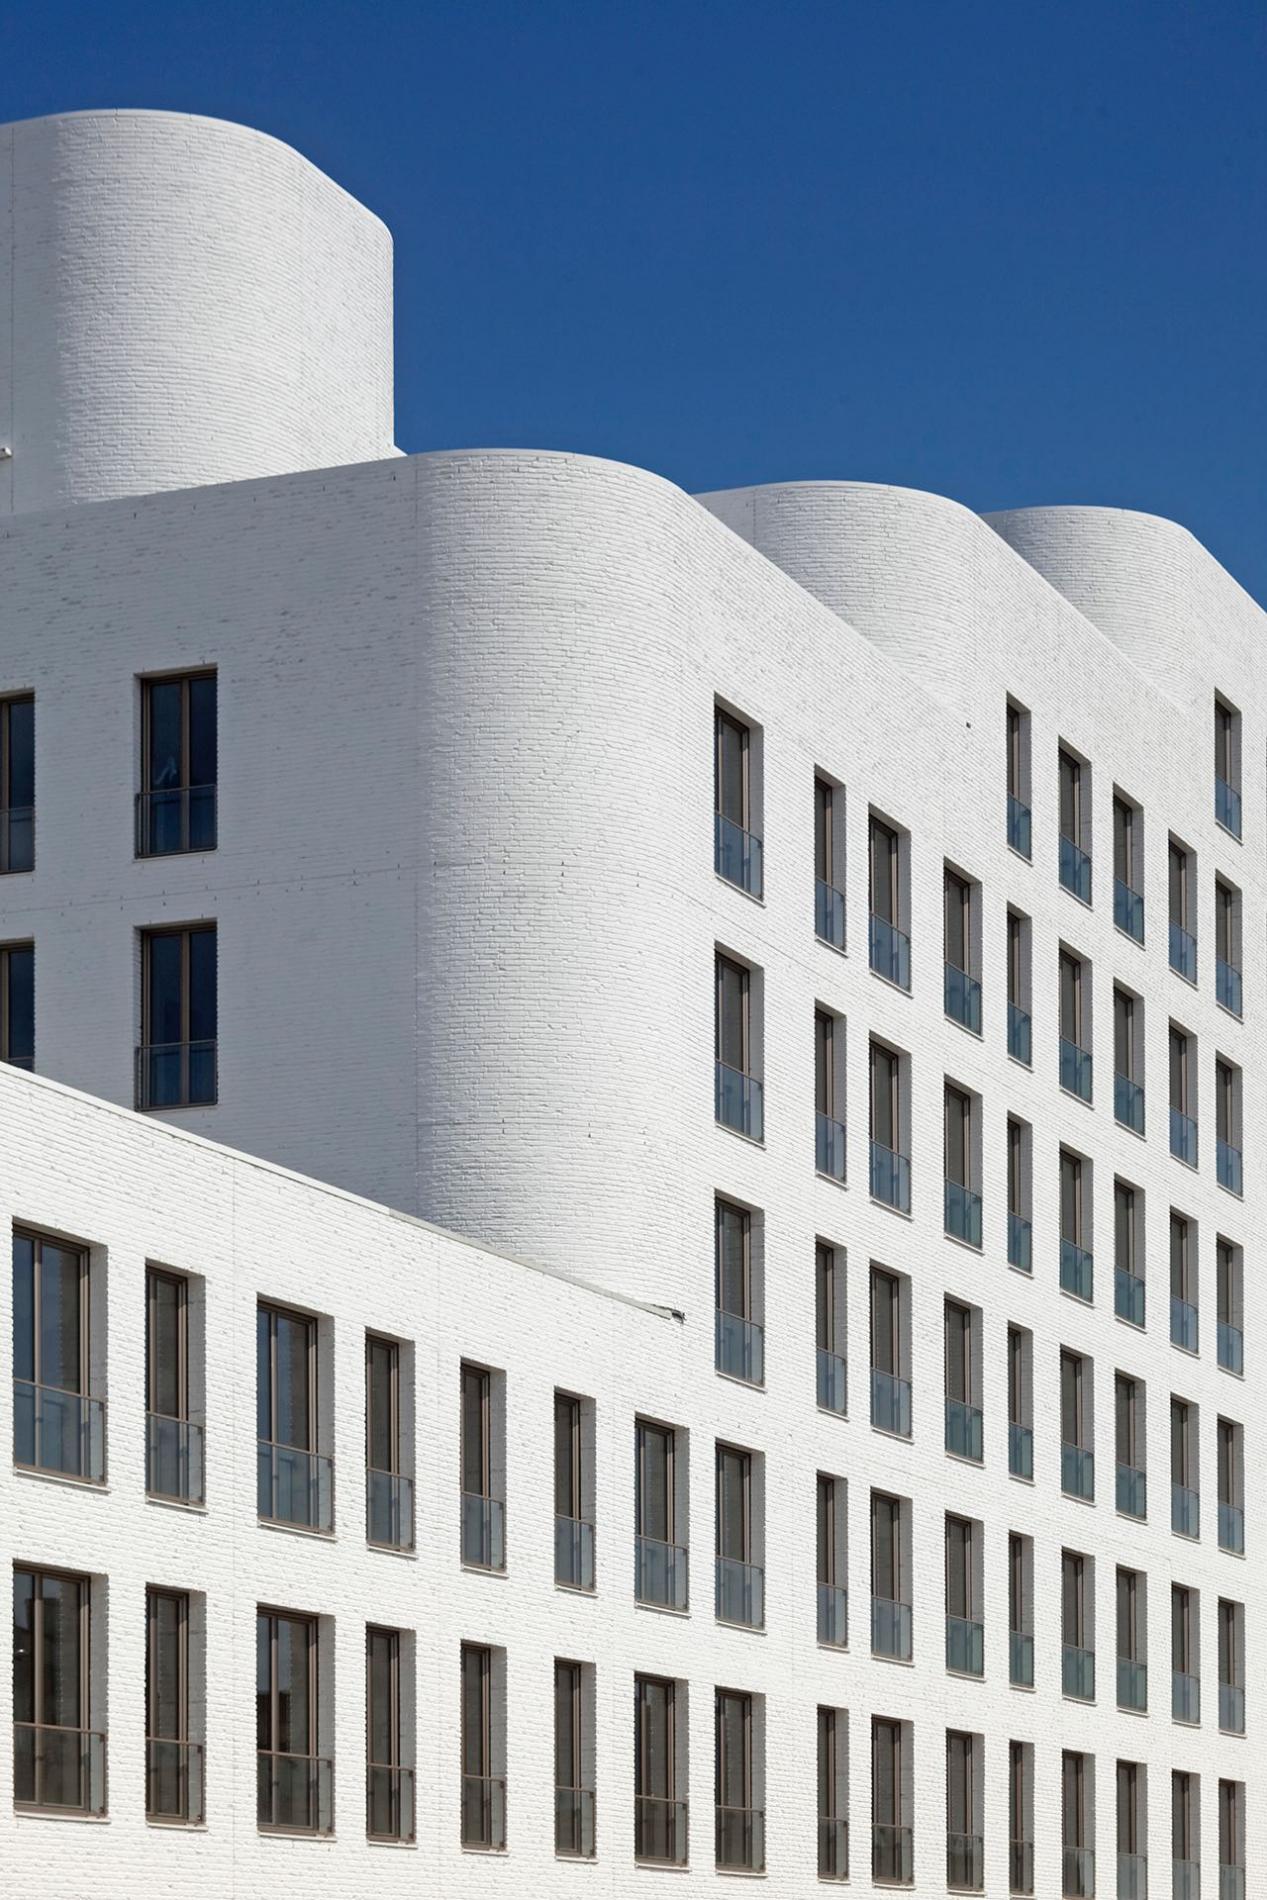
(393, 1550)
(96, 1487)
(745, 1385)
(175, 1827)
(1227, 831)
(294, 1530)
(186, 1505)
(752, 898)
(54, 1814)
(484, 1570)
(329, 1839)
(737, 1134)
(576, 1590)
(381, 1840)
(1072, 1095)
(901, 1212)
(661, 1609)
(821, 1174)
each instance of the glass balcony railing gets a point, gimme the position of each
(1019, 827)
(963, 1213)
(389, 1802)
(59, 1768)
(1077, 1873)
(1231, 1881)
(1185, 1696)
(829, 914)
(832, 1385)
(737, 855)
(17, 839)
(1184, 1324)
(174, 1781)
(1231, 1347)
(1077, 1472)
(833, 1615)
(891, 1629)
(1075, 1069)
(1020, 1035)
(1227, 986)
(1128, 910)
(892, 1855)
(1077, 1672)
(1132, 1491)
(1185, 1510)
(1185, 1880)
(833, 1848)
(1231, 1708)
(176, 1075)
(1183, 1137)
(1227, 1167)
(1020, 1862)
(963, 998)
(294, 1487)
(483, 1532)
(1020, 1451)
(178, 818)
(660, 1573)
(1227, 806)
(739, 1348)
(174, 1458)
(1128, 1103)
(574, 1823)
(1132, 1876)
(740, 1102)
(1020, 1660)
(1020, 1242)
(963, 1430)
(661, 1830)
(1132, 1684)
(1076, 1270)
(389, 1509)
(1128, 1296)
(965, 1646)
(573, 1553)
(890, 1403)
(1075, 869)
(890, 1177)
(294, 1793)
(1231, 1528)
(740, 1839)
(1183, 952)
(890, 952)
(739, 1593)
(484, 1812)
(829, 1146)
(965, 1862)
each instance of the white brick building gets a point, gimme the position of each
(517, 789)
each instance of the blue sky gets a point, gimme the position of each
(1012, 250)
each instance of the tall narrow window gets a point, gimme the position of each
(296, 1481)
(963, 1410)
(1129, 1302)
(739, 1342)
(17, 784)
(1185, 1500)
(1020, 1809)
(740, 1589)
(1185, 1808)
(892, 1837)
(1077, 1459)
(1020, 1402)
(573, 1776)
(1183, 1283)
(17, 1004)
(1230, 1295)
(1232, 1840)
(833, 1794)
(963, 1201)
(389, 1490)
(173, 1762)
(1075, 834)
(1185, 1654)
(660, 1516)
(295, 1785)
(176, 1062)
(1075, 1026)
(890, 1385)
(1076, 1265)
(176, 805)
(58, 1425)
(1077, 1824)
(890, 1165)
(890, 1590)
(1183, 917)
(1230, 1459)
(1227, 766)
(1227, 946)
(1128, 881)
(1231, 1622)
(573, 1508)
(660, 1809)
(1128, 1089)
(890, 945)
(1020, 1610)
(965, 1636)
(1020, 1229)
(963, 987)
(1077, 1635)
(739, 1092)
(737, 845)
(1018, 795)
(1020, 1040)
(965, 1852)
(389, 1784)
(59, 1760)
(1132, 1829)
(483, 1771)
(740, 1817)
(1183, 1105)
(1128, 1425)
(1227, 1125)
(829, 1095)
(829, 863)
(483, 1510)
(833, 1598)
(1132, 1643)
(174, 1441)
(829, 1326)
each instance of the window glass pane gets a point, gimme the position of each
(732, 750)
(202, 985)
(566, 1432)
(732, 1014)
(263, 1682)
(19, 790)
(474, 1447)
(163, 1665)
(202, 731)
(654, 1502)
(381, 1652)
(474, 1690)
(163, 1009)
(567, 1738)
(59, 1343)
(292, 1397)
(23, 1307)
(294, 1698)
(61, 1681)
(23, 1646)
(732, 1497)
(164, 732)
(19, 969)
(732, 1259)
(380, 1364)
(733, 1717)
(166, 1313)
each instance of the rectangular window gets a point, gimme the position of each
(833, 1794)
(17, 1004)
(1128, 1425)
(829, 1326)
(965, 1854)
(1232, 1840)
(59, 1761)
(737, 841)
(829, 862)
(829, 1094)
(1076, 1264)
(483, 1750)
(1185, 1825)
(1227, 1125)
(573, 1763)
(891, 1632)
(1020, 1609)
(17, 784)
(1231, 1628)
(1227, 946)
(58, 1425)
(389, 1489)
(1020, 1806)
(1075, 826)
(176, 1062)
(173, 1760)
(295, 1784)
(890, 943)
(832, 1548)
(296, 1481)
(660, 1764)
(1020, 1040)
(176, 805)
(389, 1784)
(962, 983)
(1128, 868)
(174, 1440)
(1185, 1654)
(1077, 1823)
(1020, 1230)
(1230, 1459)
(1132, 1641)
(1020, 1389)
(1132, 1829)
(1185, 1508)
(1227, 766)
(660, 1509)
(965, 1636)
(890, 1163)
(483, 1508)
(961, 1329)
(1018, 790)
(739, 1104)
(1075, 1026)
(890, 1354)
(573, 1493)
(1183, 1101)
(962, 1211)
(740, 1816)
(1077, 1464)
(739, 1342)
(1128, 1060)
(740, 1588)
(892, 1803)
(1183, 1283)
(1230, 1295)
(1183, 915)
